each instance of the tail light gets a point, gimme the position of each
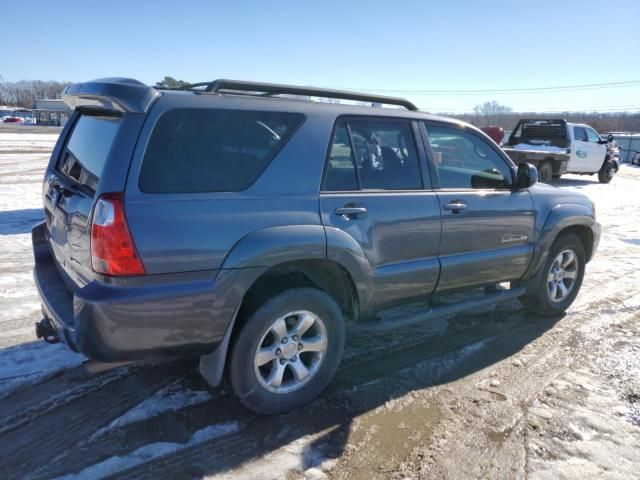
(112, 249)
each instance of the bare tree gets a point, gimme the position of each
(25, 92)
(490, 113)
(494, 114)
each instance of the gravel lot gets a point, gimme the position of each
(493, 394)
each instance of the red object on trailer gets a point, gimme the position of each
(496, 133)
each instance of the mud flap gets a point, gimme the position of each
(212, 365)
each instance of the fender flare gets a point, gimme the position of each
(258, 251)
(343, 249)
(559, 218)
(271, 246)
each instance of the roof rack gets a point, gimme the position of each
(237, 86)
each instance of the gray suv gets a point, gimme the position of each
(246, 224)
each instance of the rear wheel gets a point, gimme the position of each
(560, 279)
(545, 172)
(288, 351)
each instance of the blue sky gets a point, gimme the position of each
(384, 45)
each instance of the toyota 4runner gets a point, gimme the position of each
(246, 224)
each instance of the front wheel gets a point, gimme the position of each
(560, 279)
(287, 351)
(606, 172)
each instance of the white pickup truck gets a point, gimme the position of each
(556, 147)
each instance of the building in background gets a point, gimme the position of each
(51, 112)
(628, 143)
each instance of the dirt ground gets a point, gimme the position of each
(498, 393)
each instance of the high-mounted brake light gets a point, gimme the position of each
(112, 249)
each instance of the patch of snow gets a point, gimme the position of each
(16, 332)
(149, 452)
(31, 363)
(213, 431)
(171, 398)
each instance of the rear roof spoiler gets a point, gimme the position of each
(118, 94)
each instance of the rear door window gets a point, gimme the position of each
(373, 155)
(86, 151)
(200, 150)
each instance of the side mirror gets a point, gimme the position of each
(609, 138)
(527, 176)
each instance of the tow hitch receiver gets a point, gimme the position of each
(45, 330)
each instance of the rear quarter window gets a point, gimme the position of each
(200, 150)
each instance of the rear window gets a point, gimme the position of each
(198, 150)
(543, 130)
(86, 151)
(580, 133)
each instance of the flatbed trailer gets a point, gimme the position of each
(549, 164)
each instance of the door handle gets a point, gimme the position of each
(581, 153)
(455, 206)
(351, 212)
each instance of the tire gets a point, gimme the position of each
(545, 171)
(540, 301)
(606, 172)
(556, 177)
(256, 384)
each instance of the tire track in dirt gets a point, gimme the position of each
(261, 435)
(174, 426)
(31, 402)
(359, 370)
(489, 451)
(61, 428)
(226, 408)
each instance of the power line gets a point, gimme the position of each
(510, 91)
(550, 109)
(631, 109)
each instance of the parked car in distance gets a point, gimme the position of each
(556, 147)
(10, 119)
(224, 221)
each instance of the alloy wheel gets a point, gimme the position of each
(562, 276)
(291, 351)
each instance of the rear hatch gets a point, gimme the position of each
(70, 188)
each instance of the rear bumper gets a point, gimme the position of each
(157, 316)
